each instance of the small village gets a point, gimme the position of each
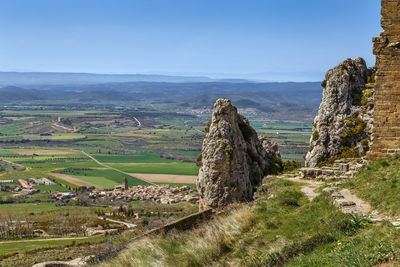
(164, 194)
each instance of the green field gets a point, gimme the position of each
(144, 157)
(51, 188)
(103, 178)
(100, 181)
(59, 164)
(20, 209)
(178, 168)
(192, 154)
(24, 246)
(14, 127)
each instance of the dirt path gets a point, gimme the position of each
(166, 178)
(108, 167)
(129, 225)
(74, 180)
(139, 123)
(360, 207)
(309, 189)
(344, 200)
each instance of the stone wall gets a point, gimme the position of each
(386, 131)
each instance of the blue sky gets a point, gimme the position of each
(260, 39)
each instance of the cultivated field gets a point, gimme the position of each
(166, 178)
(106, 146)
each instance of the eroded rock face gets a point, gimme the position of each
(233, 159)
(344, 121)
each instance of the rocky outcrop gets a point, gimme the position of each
(343, 124)
(233, 159)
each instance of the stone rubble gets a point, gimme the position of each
(342, 169)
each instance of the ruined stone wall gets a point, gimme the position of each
(386, 131)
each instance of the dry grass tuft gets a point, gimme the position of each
(194, 248)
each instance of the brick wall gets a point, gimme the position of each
(386, 131)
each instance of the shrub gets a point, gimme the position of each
(275, 166)
(199, 161)
(371, 78)
(290, 202)
(364, 100)
(207, 129)
(349, 152)
(291, 165)
(356, 127)
(229, 149)
(315, 136)
(367, 93)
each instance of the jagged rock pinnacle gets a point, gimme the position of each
(233, 160)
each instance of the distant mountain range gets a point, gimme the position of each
(289, 100)
(61, 78)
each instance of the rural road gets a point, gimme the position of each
(139, 123)
(111, 168)
(129, 225)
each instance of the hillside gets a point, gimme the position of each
(281, 101)
(283, 227)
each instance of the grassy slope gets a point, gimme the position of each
(283, 230)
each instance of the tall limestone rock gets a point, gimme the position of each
(233, 160)
(344, 121)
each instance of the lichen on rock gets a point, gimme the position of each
(343, 124)
(233, 159)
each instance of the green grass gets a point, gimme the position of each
(14, 127)
(48, 158)
(192, 154)
(5, 194)
(281, 229)
(144, 157)
(20, 209)
(379, 184)
(60, 164)
(64, 136)
(7, 152)
(51, 188)
(99, 180)
(26, 246)
(178, 168)
(103, 178)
